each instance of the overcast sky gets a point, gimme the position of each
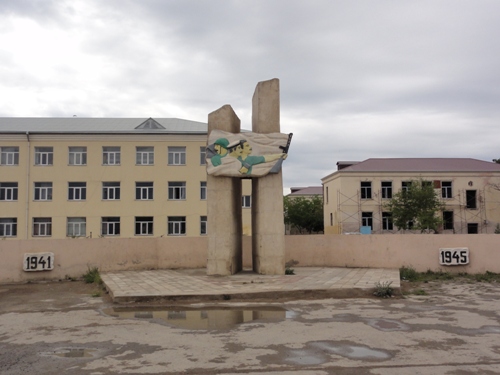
(358, 79)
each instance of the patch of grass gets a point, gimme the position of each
(96, 294)
(288, 267)
(92, 276)
(488, 277)
(383, 289)
(408, 274)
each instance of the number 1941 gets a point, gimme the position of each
(454, 256)
(38, 262)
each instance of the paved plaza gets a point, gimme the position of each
(140, 286)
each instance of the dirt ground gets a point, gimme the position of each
(444, 327)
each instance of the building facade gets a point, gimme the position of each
(355, 195)
(112, 177)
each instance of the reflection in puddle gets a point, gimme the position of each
(72, 353)
(353, 351)
(207, 318)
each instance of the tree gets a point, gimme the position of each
(304, 214)
(416, 207)
(496, 161)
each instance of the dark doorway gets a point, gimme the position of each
(472, 228)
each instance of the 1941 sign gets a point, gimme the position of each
(454, 256)
(38, 262)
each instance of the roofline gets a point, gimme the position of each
(103, 132)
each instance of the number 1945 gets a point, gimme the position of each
(454, 257)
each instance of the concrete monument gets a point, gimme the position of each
(258, 155)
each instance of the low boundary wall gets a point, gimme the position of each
(420, 251)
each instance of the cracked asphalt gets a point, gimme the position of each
(59, 328)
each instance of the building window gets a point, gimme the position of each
(470, 196)
(144, 155)
(9, 155)
(143, 225)
(405, 185)
(366, 190)
(177, 156)
(77, 191)
(110, 191)
(111, 155)
(446, 191)
(43, 191)
(42, 226)
(203, 225)
(8, 227)
(110, 226)
(76, 227)
(176, 225)
(448, 220)
(386, 189)
(246, 201)
(78, 156)
(143, 190)
(472, 228)
(203, 153)
(177, 190)
(331, 219)
(367, 219)
(387, 221)
(44, 155)
(326, 194)
(203, 190)
(8, 191)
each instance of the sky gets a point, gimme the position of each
(358, 79)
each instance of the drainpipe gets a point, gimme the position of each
(28, 186)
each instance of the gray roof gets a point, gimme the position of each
(99, 125)
(423, 165)
(310, 190)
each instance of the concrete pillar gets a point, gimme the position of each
(224, 208)
(268, 237)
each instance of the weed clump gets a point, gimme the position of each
(383, 289)
(92, 276)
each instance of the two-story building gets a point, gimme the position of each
(355, 194)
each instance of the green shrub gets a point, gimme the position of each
(408, 274)
(383, 289)
(92, 276)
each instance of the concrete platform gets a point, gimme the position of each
(194, 284)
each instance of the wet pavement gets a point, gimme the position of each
(441, 328)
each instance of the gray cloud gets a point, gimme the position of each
(358, 79)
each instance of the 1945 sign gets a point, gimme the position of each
(38, 262)
(454, 256)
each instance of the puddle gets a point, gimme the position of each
(387, 325)
(72, 353)
(207, 318)
(352, 351)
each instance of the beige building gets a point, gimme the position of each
(355, 194)
(112, 177)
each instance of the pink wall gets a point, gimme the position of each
(74, 256)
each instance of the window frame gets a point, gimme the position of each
(144, 225)
(176, 155)
(111, 190)
(177, 190)
(203, 225)
(387, 223)
(111, 153)
(44, 156)
(471, 199)
(366, 189)
(203, 155)
(110, 222)
(246, 201)
(446, 190)
(78, 227)
(42, 227)
(367, 219)
(75, 153)
(77, 191)
(144, 155)
(9, 189)
(144, 188)
(386, 189)
(176, 225)
(8, 227)
(6, 154)
(44, 189)
(203, 190)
